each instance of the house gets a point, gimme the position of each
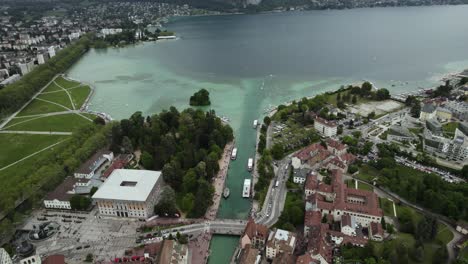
(309, 156)
(60, 197)
(249, 255)
(376, 232)
(311, 219)
(443, 113)
(31, 260)
(254, 235)
(338, 200)
(280, 242)
(92, 165)
(335, 147)
(311, 184)
(348, 225)
(428, 111)
(325, 127)
(300, 175)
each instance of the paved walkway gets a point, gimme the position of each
(29, 156)
(219, 182)
(35, 132)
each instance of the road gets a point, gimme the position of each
(35, 132)
(276, 196)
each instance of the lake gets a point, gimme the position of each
(252, 62)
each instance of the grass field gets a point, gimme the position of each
(79, 95)
(40, 107)
(59, 123)
(365, 186)
(444, 235)
(66, 83)
(58, 97)
(52, 88)
(367, 173)
(387, 206)
(15, 147)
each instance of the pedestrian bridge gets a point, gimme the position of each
(218, 226)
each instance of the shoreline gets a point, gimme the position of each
(220, 181)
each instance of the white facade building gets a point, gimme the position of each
(51, 51)
(31, 260)
(325, 128)
(129, 193)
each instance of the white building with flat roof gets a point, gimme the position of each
(129, 193)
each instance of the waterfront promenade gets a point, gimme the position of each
(219, 182)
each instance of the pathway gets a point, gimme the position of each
(35, 153)
(219, 182)
(69, 96)
(36, 132)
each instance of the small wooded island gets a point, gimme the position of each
(200, 98)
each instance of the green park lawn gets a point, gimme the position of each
(387, 206)
(79, 95)
(365, 186)
(40, 107)
(66, 83)
(444, 235)
(58, 97)
(57, 123)
(17, 146)
(52, 88)
(367, 173)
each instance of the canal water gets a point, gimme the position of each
(252, 62)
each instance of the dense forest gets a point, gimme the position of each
(186, 146)
(15, 95)
(200, 98)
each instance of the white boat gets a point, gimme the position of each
(250, 164)
(246, 189)
(234, 154)
(255, 123)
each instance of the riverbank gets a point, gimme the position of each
(219, 181)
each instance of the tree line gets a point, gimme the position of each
(186, 146)
(14, 96)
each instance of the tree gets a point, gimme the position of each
(415, 109)
(127, 146)
(93, 191)
(187, 202)
(200, 98)
(267, 120)
(146, 160)
(382, 94)
(277, 151)
(338, 97)
(354, 99)
(339, 130)
(89, 258)
(99, 121)
(464, 171)
(366, 88)
(78, 202)
(167, 203)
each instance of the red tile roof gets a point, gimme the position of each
(376, 229)
(335, 144)
(328, 123)
(312, 218)
(54, 259)
(305, 153)
(311, 182)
